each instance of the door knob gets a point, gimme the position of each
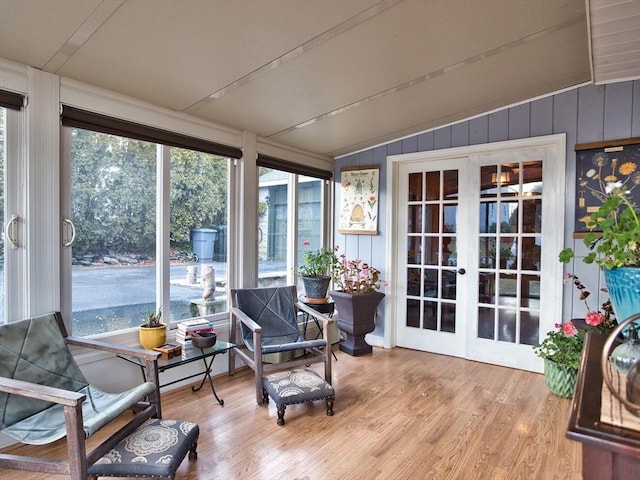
(462, 271)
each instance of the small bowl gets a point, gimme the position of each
(204, 340)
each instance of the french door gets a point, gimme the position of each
(475, 278)
(433, 262)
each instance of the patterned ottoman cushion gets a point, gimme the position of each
(297, 386)
(153, 450)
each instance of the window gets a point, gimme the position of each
(277, 191)
(12, 171)
(113, 210)
(150, 225)
(198, 234)
(273, 226)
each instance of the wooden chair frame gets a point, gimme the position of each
(78, 460)
(254, 359)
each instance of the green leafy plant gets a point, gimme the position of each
(318, 263)
(153, 320)
(564, 344)
(614, 235)
(356, 277)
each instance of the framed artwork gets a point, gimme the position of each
(601, 163)
(359, 200)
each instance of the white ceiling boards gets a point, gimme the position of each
(326, 76)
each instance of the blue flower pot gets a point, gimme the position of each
(623, 284)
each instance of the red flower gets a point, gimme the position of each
(594, 318)
(569, 329)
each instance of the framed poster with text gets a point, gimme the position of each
(359, 200)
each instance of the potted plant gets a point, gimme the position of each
(561, 349)
(614, 237)
(153, 332)
(317, 271)
(356, 297)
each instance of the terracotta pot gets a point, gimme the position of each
(356, 318)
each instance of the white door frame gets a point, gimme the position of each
(556, 143)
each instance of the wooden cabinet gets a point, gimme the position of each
(608, 451)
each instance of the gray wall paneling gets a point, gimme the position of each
(520, 121)
(442, 138)
(499, 126)
(460, 134)
(618, 111)
(479, 130)
(590, 114)
(542, 117)
(635, 115)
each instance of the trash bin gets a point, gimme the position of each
(220, 250)
(203, 241)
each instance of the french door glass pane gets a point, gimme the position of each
(415, 187)
(198, 233)
(113, 203)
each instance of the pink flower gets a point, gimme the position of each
(306, 243)
(594, 318)
(569, 329)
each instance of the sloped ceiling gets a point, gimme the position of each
(326, 76)
(614, 27)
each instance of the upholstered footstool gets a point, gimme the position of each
(296, 386)
(154, 450)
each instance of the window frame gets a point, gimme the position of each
(293, 240)
(15, 305)
(163, 226)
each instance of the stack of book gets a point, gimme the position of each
(188, 327)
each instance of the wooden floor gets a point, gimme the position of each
(399, 414)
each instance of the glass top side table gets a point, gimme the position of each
(188, 355)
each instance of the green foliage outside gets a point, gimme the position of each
(198, 193)
(114, 194)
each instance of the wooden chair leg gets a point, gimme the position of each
(193, 451)
(329, 407)
(76, 448)
(281, 409)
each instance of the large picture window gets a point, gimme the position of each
(117, 192)
(113, 209)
